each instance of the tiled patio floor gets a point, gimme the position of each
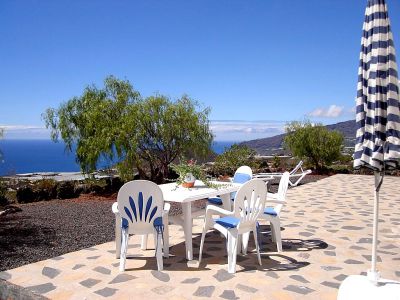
(327, 236)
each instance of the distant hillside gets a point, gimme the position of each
(273, 145)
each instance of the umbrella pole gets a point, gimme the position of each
(373, 274)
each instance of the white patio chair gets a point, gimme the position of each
(242, 175)
(248, 205)
(271, 214)
(140, 210)
(295, 176)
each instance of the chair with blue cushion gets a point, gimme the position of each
(140, 210)
(271, 214)
(248, 205)
(242, 175)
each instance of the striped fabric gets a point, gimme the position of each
(377, 110)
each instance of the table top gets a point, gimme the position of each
(174, 193)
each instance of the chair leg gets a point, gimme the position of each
(273, 237)
(117, 237)
(232, 251)
(276, 230)
(259, 234)
(160, 265)
(255, 234)
(124, 248)
(166, 237)
(203, 235)
(144, 242)
(245, 242)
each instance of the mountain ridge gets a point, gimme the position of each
(274, 145)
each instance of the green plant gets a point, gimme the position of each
(45, 189)
(190, 166)
(26, 194)
(66, 190)
(233, 158)
(146, 134)
(3, 194)
(276, 162)
(313, 143)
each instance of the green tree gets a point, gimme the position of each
(143, 134)
(313, 143)
(94, 122)
(233, 158)
(167, 130)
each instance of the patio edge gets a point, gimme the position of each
(12, 291)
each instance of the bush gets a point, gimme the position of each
(3, 194)
(26, 194)
(314, 143)
(233, 158)
(46, 189)
(66, 190)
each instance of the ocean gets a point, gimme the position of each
(28, 156)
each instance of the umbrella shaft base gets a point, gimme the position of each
(374, 276)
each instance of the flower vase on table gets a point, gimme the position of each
(188, 181)
(188, 173)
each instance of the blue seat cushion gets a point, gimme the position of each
(228, 222)
(241, 178)
(270, 211)
(215, 200)
(238, 178)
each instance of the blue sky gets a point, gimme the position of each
(257, 64)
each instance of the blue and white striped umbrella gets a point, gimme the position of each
(378, 108)
(377, 112)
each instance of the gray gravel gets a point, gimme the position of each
(44, 230)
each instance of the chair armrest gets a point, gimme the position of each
(115, 208)
(272, 196)
(215, 209)
(167, 207)
(275, 201)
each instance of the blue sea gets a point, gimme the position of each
(27, 156)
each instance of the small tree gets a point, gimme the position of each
(143, 134)
(233, 158)
(313, 143)
(94, 121)
(167, 130)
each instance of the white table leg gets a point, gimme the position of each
(226, 201)
(117, 236)
(187, 228)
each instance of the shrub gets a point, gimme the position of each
(46, 189)
(314, 143)
(114, 184)
(26, 194)
(66, 190)
(276, 162)
(233, 158)
(3, 194)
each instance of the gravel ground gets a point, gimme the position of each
(47, 229)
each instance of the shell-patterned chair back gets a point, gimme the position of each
(250, 202)
(140, 203)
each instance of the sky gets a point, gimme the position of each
(258, 63)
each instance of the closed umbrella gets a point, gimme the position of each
(378, 120)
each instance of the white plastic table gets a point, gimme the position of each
(185, 196)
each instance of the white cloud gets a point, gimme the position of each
(332, 111)
(245, 130)
(25, 132)
(223, 130)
